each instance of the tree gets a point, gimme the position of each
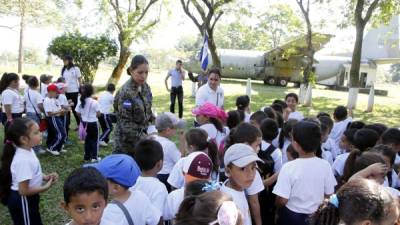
(130, 24)
(87, 52)
(359, 13)
(30, 12)
(207, 16)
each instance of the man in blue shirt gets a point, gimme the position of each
(177, 76)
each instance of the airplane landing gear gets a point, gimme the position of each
(270, 81)
(283, 82)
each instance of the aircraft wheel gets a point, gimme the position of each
(283, 82)
(271, 80)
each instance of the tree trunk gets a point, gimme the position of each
(119, 69)
(310, 60)
(308, 96)
(213, 50)
(21, 38)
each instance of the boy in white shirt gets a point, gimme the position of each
(121, 172)
(45, 80)
(106, 101)
(167, 123)
(305, 182)
(292, 100)
(346, 143)
(340, 125)
(149, 156)
(240, 161)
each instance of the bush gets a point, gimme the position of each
(87, 52)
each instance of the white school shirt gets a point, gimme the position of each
(89, 112)
(174, 200)
(327, 156)
(106, 101)
(305, 182)
(257, 186)
(275, 142)
(71, 77)
(296, 115)
(43, 90)
(176, 77)
(139, 207)
(247, 117)
(171, 154)
(62, 99)
(25, 166)
(206, 94)
(331, 146)
(32, 100)
(286, 144)
(338, 129)
(395, 180)
(276, 155)
(153, 189)
(339, 163)
(13, 98)
(214, 134)
(51, 105)
(240, 200)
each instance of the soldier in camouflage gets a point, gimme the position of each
(132, 105)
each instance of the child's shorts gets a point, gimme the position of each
(24, 210)
(288, 217)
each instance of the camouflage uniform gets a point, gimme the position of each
(132, 106)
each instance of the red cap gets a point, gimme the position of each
(52, 87)
(197, 166)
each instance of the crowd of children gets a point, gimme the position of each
(271, 166)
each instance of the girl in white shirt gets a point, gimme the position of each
(34, 103)
(88, 110)
(285, 138)
(106, 101)
(21, 174)
(12, 101)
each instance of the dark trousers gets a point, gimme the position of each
(288, 217)
(91, 140)
(56, 133)
(163, 178)
(267, 206)
(106, 127)
(74, 97)
(24, 210)
(7, 124)
(177, 91)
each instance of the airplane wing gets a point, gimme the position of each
(298, 46)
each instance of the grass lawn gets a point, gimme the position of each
(387, 110)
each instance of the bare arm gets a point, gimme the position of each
(7, 109)
(25, 190)
(41, 108)
(270, 180)
(255, 208)
(281, 202)
(166, 81)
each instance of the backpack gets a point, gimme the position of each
(266, 168)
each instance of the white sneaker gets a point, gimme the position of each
(96, 160)
(53, 152)
(103, 143)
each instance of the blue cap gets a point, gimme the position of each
(119, 168)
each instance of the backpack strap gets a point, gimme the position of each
(124, 210)
(271, 148)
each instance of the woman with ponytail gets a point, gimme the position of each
(12, 102)
(358, 202)
(21, 174)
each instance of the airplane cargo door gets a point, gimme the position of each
(363, 79)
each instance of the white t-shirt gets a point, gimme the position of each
(331, 146)
(25, 166)
(286, 144)
(32, 100)
(339, 163)
(62, 99)
(296, 115)
(395, 180)
(51, 105)
(174, 200)
(171, 154)
(206, 94)
(89, 112)
(214, 134)
(153, 189)
(176, 77)
(247, 117)
(43, 90)
(327, 156)
(71, 77)
(106, 101)
(139, 207)
(257, 186)
(276, 156)
(305, 182)
(338, 129)
(12, 97)
(240, 200)
(275, 142)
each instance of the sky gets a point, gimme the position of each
(173, 25)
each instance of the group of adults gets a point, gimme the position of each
(133, 102)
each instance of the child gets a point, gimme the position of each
(328, 144)
(391, 137)
(12, 101)
(303, 183)
(291, 153)
(149, 156)
(213, 207)
(121, 172)
(391, 179)
(365, 138)
(257, 117)
(54, 114)
(167, 123)
(45, 80)
(106, 101)
(85, 196)
(341, 123)
(243, 104)
(347, 144)
(62, 99)
(359, 201)
(21, 174)
(234, 118)
(285, 138)
(292, 100)
(34, 104)
(197, 166)
(196, 141)
(88, 111)
(240, 161)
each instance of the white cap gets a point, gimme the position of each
(168, 120)
(240, 155)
